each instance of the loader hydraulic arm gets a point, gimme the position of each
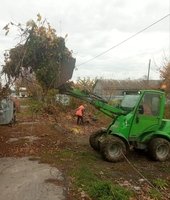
(93, 99)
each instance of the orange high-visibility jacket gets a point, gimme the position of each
(80, 110)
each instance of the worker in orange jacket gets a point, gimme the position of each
(80, 114)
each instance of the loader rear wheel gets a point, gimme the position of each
(113, 149)
(94, 139)
(159, 149)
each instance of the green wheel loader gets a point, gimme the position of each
(137, 122)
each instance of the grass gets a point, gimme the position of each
(98, 188)
(78, 156)
(84, 168)
(160, 183)
(154, 194)
(81, 169)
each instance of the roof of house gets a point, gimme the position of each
(127, 84)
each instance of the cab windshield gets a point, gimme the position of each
(129, 102)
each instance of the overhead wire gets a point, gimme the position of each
(127, 39)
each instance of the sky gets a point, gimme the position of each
(93, 27)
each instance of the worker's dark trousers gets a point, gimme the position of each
(79, 120)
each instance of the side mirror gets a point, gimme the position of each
(141, 109)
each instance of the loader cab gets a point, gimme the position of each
(148, 113)
(129, 102)
(150, 104)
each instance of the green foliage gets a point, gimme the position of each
(84, 176)
(41, 52)
(106, 191)
(160, 183)
(50, 97)
(86, 84)
(154, 194)
(65, 154)
(35, 106)
(99, 189)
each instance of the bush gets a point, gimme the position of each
(35, 106)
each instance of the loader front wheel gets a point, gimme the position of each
(94, 139)
(159, 149)
(113, 149)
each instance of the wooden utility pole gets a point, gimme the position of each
(149, 66)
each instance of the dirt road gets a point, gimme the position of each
(23, 179)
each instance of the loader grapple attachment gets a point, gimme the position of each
(65, 71)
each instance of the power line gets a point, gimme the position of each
(120, 43)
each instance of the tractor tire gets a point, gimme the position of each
(159, 149)
(113, 149)
(93, 139)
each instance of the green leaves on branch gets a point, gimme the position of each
(40, 52)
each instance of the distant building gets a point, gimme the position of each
(111, 89)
